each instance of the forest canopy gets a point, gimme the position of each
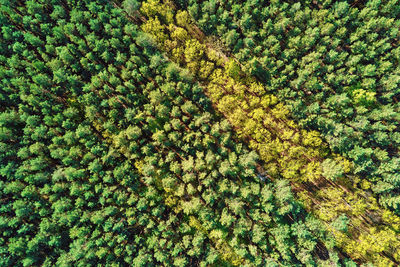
(199, 133)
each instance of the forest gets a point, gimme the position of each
(199, 133)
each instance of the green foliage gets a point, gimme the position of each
(341, 223)
(112, 155)
(130, 6)
(321, 178)
(363, 97)
(315, 54)
(233, 69)
(332, 170)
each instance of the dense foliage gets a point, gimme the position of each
(334, 63)
(325, 182)
(199, 133)
(112, 155)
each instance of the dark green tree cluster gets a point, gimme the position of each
(111, 155)
(67, 198)
(334, 63)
